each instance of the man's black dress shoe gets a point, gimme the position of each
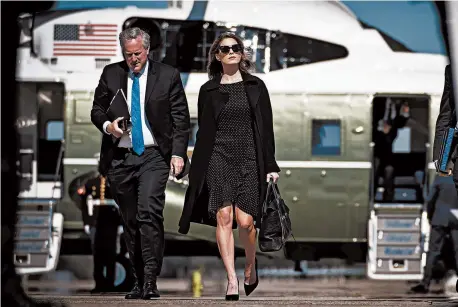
(150, 291)
(135, 293)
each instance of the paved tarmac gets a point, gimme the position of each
(271, 292)
(265, 301)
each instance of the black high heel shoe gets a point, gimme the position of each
(250, 288)
(232, 297)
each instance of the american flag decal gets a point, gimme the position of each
(85, 40)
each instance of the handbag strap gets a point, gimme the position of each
(276, 192)
(273, 186)
(264, 206)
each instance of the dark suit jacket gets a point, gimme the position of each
(166, 109)
(442, 198)
(210, 104)
(446, 117)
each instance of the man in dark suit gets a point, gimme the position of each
(442, 209)
(137, 162)
(101, 222)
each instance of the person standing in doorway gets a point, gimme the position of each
(233, 158)
(137, 162)
(394, 118)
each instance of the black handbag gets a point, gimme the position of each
(275, 222)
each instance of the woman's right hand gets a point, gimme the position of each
(274, 177)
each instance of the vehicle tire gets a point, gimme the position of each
(123, 279)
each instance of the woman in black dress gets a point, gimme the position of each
(233, 157)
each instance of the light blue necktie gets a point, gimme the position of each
(136, 117)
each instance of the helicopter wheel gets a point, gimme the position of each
(123, 275)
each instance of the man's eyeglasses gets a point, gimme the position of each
(235, 48)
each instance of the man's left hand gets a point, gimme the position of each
(449, 173)
(273, 175)
(176, 165)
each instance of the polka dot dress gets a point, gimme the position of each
(233, 173)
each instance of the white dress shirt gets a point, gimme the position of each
(126, 138)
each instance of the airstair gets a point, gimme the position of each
(38, 228)
(398, 231)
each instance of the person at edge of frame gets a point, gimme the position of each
(446, 119)
(13, 293)
(102, 223)
(441, 203)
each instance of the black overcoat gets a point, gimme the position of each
(210, 104)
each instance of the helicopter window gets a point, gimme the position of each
(55, 130)
(290, 50)
(184, 44)
(326, 137)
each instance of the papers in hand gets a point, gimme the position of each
(454, 212)
(118, 106)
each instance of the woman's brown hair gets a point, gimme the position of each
(215, 68)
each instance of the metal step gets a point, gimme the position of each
(402, 194)
(400, 205)
(398, 252)
(398, 238)
(403, 181)
(410, 224)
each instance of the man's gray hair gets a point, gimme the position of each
(133, 33)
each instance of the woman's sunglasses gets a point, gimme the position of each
(226, 49)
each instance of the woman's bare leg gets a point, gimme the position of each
(247, 234)
(225, 240)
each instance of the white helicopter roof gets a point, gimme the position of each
(371, 65)
(326, 20)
